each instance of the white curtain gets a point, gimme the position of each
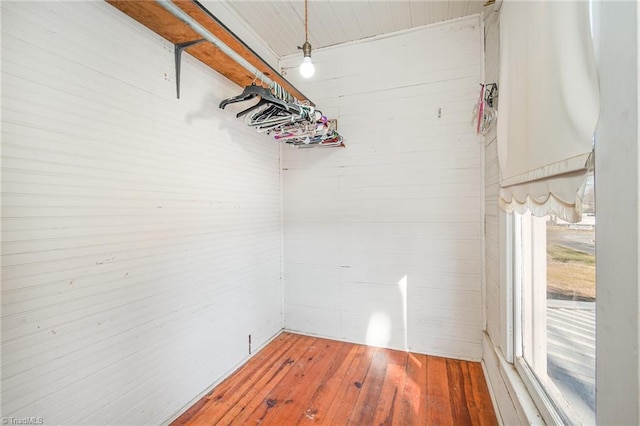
(548, 106)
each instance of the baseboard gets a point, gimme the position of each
(492, 394)
(394, 348)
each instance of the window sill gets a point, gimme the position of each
(512, 401)
(556, 411)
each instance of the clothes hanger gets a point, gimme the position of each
(266, 96)
(249, 92)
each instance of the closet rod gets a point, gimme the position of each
(195, 25)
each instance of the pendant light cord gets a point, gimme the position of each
(306, 20)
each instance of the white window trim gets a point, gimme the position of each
(517, 273)
(546, 407)
(508, 295)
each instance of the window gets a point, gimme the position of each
(554, 311)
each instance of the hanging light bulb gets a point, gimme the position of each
(306, 67)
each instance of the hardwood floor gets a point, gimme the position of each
(299, 379)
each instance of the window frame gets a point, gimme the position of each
(522, 263)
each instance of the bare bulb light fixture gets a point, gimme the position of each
(306, 67)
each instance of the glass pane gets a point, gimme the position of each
(571, 295)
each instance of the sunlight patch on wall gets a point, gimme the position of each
(379, 329)
(402, 284)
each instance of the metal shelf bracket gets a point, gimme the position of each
(177, 49)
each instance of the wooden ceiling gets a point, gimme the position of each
(280, 23)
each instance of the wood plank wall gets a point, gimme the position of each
(382, 240)
(503, 393)
(141, 240)
(492, 223)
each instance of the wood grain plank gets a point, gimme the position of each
(392, 388)
(325, 394)
(295, 399)
(438, 406)
(342, 405)
(481, 396)
(319, 381)
(457, 392)
(156, 18)
(238, 46)
(301, 363)
(225, 394)
(252, 394)
(414, 395)
(469, 392)
(399, 402)
(365, 406)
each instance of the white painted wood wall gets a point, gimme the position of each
(500, 374)
(615, 27)
(141, 239)
(382, 240)
(617, 152)
(492, 189)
